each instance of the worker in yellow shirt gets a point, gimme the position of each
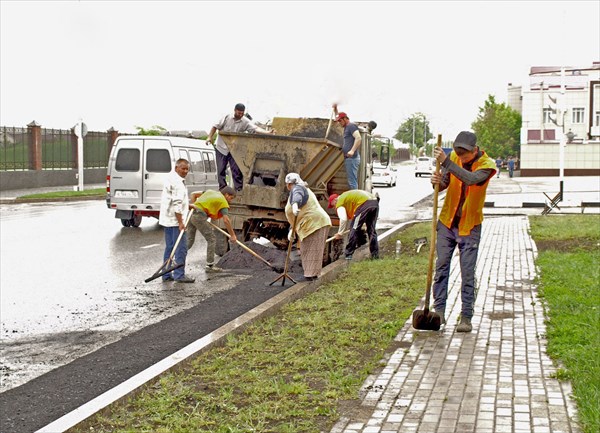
(359, 207)
(214, 205)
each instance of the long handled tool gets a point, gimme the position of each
(169, 265)
(241, 244)
(333, 237)
(425, 319)
(329, 125)
(284, 274)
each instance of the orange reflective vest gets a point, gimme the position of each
(472, 210)
(211, 202)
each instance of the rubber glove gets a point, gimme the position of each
(295, 209)
(290, 236)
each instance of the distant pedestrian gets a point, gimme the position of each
(350, 148)
(174, 204)
(214, 205)
(465, 175)
(312, 224)
(359, 207)
(498, 166)
(511, 166)
(231, 123)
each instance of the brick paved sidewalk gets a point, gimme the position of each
(495, 379)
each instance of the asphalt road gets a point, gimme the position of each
(79, 319)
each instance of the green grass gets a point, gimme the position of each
(287, 373)
(569, 264)
(63, 194)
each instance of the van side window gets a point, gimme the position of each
(209, 162)
(196, 161)
(128, 160)
(158, 161)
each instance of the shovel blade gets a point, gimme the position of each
(426, 320)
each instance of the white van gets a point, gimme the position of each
(138, 166)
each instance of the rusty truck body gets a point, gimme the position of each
(300, 146)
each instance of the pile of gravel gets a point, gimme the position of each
(239, 258)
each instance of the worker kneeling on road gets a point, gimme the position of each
(214, 205)
(360, 207)
(465, 175)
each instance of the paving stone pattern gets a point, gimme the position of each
(493, 380)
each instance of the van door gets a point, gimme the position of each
(126, 174)
(197, 167)
(210, 169)
(158, 157)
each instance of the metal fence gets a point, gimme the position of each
(58, 149)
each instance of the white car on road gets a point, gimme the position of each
(424, 165)
(384, 175)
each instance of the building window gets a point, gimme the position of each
(578, 115)
(597, 120)
(547, 115)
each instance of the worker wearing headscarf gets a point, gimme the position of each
(311, 224)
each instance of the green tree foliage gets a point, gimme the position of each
(415, 131)
(498, 129)
(155, 130)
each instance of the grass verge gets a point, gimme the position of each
(290, 372)
(569, 264)
(63, 194)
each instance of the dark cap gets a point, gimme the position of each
(240, 107)
(465, 139)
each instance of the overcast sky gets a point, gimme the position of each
(183, 65)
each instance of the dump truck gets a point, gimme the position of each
(311, 147)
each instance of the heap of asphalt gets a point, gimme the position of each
(239, 258)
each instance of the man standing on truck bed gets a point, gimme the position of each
(352, 140)
(236, 123)
(213, 204)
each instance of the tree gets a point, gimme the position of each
(415, 131)
(498, 129)
(155, 130)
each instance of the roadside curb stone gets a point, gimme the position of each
(495, 379)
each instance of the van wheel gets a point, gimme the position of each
(136, 221)
(132, 222)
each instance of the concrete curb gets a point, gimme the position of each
(135, 384)
(18, 200)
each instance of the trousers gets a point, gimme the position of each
(468, 247)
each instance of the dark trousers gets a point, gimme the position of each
(365, 214)
(468, 247)
(222, 161)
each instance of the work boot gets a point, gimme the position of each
(185, 279)
(442, 314)
(212, 268)
(464, 325)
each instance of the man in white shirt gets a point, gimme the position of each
(174, 207)
(236, 123)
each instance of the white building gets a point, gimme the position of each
(561, 105)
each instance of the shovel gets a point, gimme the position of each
(285, 274)
(425, 319)
(169, 265)
(241, 244)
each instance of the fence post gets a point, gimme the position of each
(74, 149)
(34, 132)
(112, 137)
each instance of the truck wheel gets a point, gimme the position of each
(126, 222)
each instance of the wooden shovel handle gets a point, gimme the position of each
(434, 220)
